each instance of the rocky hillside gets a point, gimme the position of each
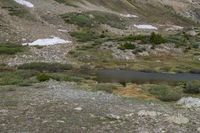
(100, 66)
(19, 22)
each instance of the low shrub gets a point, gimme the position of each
(192, 87)
(68, 3)
(85, 36)
(94, 19)
(10, 49)
(127, 46)
(15, 9)
(143, 38)
(17, 77)
(156, 39)
(43, 77)
(65, 77)
(166, 93)
(46, 67)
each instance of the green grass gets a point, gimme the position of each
(127, 46)
(43, 77)
(45, 67)
(22, 78)
(15, 9)
(183, 40)
(68, 3)
(85, 36)
(10, 49)
(94, 19)
(156, 39)
(131, 38)
(192, 87)
(73, 77)
(166, 93)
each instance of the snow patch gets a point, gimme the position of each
(25, 3)
(47, 41)
(149, 27)
(128, 16)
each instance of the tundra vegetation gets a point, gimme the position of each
(92, 40)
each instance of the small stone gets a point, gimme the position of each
(129, 115)
(84, 128)
(92, 115)
(148, 113)
(112, 116)
(60, 121)
(78, 109)
(45, 121)
(198, 129)
(189, 102)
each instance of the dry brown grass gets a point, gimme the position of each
(133, 91)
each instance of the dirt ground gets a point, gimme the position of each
(64, 107)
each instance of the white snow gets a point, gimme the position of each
(149, 27)
(25, 3)
(128, 16)
(47, 41)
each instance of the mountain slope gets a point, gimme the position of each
(18, 21)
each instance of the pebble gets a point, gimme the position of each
(112, 116)
(60, 121)
(78, 109)
(198, 129)
(148, 113)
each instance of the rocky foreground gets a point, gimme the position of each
(64, 107)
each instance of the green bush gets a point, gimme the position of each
(127, 46)
(156, 38)
(16, 77)
(46, 67)
(10, 49)
(82, 20)
(143, 38)
(94, 19)
(85, 36)
(68, 3)
(166, 93)
(43, 77)
(65, 77)
(192, 87)
(15, 9)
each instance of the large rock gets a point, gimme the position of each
(192, 33)
(179, 119)
(189, 102)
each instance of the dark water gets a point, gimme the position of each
(130, 76)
